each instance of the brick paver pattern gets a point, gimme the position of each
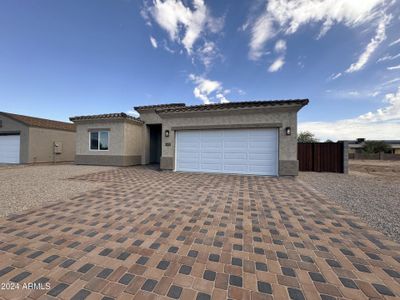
(148, 234)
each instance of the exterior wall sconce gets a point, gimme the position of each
(166, 133)
(288, 130)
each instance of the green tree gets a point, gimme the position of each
(376, 147)
(306, 137)
(328, 141)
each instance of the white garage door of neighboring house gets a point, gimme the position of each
(242, 151)
(9, 149)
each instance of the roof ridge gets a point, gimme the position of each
(40, 122)
(179, 104)
(105, 116)
(235, 104)
(36, 118)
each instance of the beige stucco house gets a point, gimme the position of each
(25, 139)
(254, 137)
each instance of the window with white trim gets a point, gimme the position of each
(99, 140)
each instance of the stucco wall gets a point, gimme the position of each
(41, 142)
(11, 126)
(133, 141)
(116, 137)
(149, 117)
(246, 118)
(125, 143)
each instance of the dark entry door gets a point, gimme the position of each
(155, 144)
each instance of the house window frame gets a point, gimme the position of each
(98, 139)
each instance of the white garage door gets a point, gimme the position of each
(242, 151)
(9, 149)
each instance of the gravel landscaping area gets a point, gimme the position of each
(374, 199)
(25, 187)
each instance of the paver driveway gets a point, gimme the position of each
(149, 234)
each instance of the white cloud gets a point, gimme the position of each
(394, 42)
(262, 30)
(335, 76)
(208, 90)
(276, 65)
(384, 123)
(221, 97)
(379, 37)
(184, 22)
(133, 113)
(394, 67)
(373, 94)
(388, 57)
(391, 81)
(354, 93)
(280, 46)
(286, 16)
(153, 42)
(208, 53)
(241, 92)
(388, 113)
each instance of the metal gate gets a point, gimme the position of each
(321, 157)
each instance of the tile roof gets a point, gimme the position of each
(160, 106)
(39, 122)
(233, 105)
(112, 116)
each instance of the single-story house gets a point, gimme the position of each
(356, 146)
(254, 137)
(25, 139)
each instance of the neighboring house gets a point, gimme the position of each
(26, 139)
(256, 137)
(358, 145)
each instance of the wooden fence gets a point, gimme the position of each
(321, 157)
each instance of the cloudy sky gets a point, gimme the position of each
(64, 58)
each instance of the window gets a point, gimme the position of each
(99, 140)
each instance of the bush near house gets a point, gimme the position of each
(376, 147)
(306, 137)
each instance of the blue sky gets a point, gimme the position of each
(64, 58)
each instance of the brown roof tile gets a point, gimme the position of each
(112, 116)
(233, 105)
(39, 122)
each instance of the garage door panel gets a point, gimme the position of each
(211, 167)
(211, 155)
(190, 145)
(260, 144)
(188, 166)
(261, 133)
(260, 169)
(211, 146)
(235, 133)
(9, 149)
(235, 155)
(261, 156)
(243, 151)
(239, 162)
(242, 169)
(211, 134)
(235, 145)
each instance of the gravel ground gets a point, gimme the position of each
(25, 187)
(375, 201)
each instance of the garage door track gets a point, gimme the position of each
(147, 234)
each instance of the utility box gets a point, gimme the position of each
(57, 147)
